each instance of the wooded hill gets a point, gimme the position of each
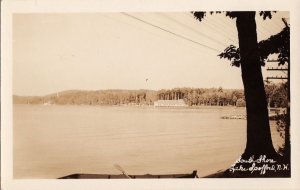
(191, 96)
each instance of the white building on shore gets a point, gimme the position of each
(170, 103)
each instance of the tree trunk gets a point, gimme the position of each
(259, 141)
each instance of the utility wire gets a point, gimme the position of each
(222, 22)
(275, 29)
(266, 29)
(277, 25)
(215, 27)
(170, 32)
(195, 31)
(263, 33)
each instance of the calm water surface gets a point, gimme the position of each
(54, 141)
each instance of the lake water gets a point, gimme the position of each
(54, 141)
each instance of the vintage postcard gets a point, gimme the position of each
(140, 95)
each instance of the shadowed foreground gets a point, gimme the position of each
(122, 176)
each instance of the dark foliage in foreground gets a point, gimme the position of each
(250, 56)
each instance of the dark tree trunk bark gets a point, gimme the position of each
(259, 141)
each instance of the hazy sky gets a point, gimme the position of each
(56, 52)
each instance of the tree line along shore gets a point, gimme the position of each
(276, 93)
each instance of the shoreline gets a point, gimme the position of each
(127, 105)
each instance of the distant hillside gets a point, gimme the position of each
(99, 97)
(191, 96)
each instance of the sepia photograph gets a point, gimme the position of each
(152, 95)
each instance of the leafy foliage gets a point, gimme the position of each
(276, 44)
(266, 14)
(232, 53)
(279, 44)
(281, 123)
(257, 113)
(240, 103)
(199, 15)
(277, 94)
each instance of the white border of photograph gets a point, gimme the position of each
(8, 7)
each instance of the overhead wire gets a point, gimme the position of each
(224, 23)
(277, 24)
(221, 22)
(170, 32)
(263, 33)
(274, 27)
(263, 27)
(195, 31)
(216, 27)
